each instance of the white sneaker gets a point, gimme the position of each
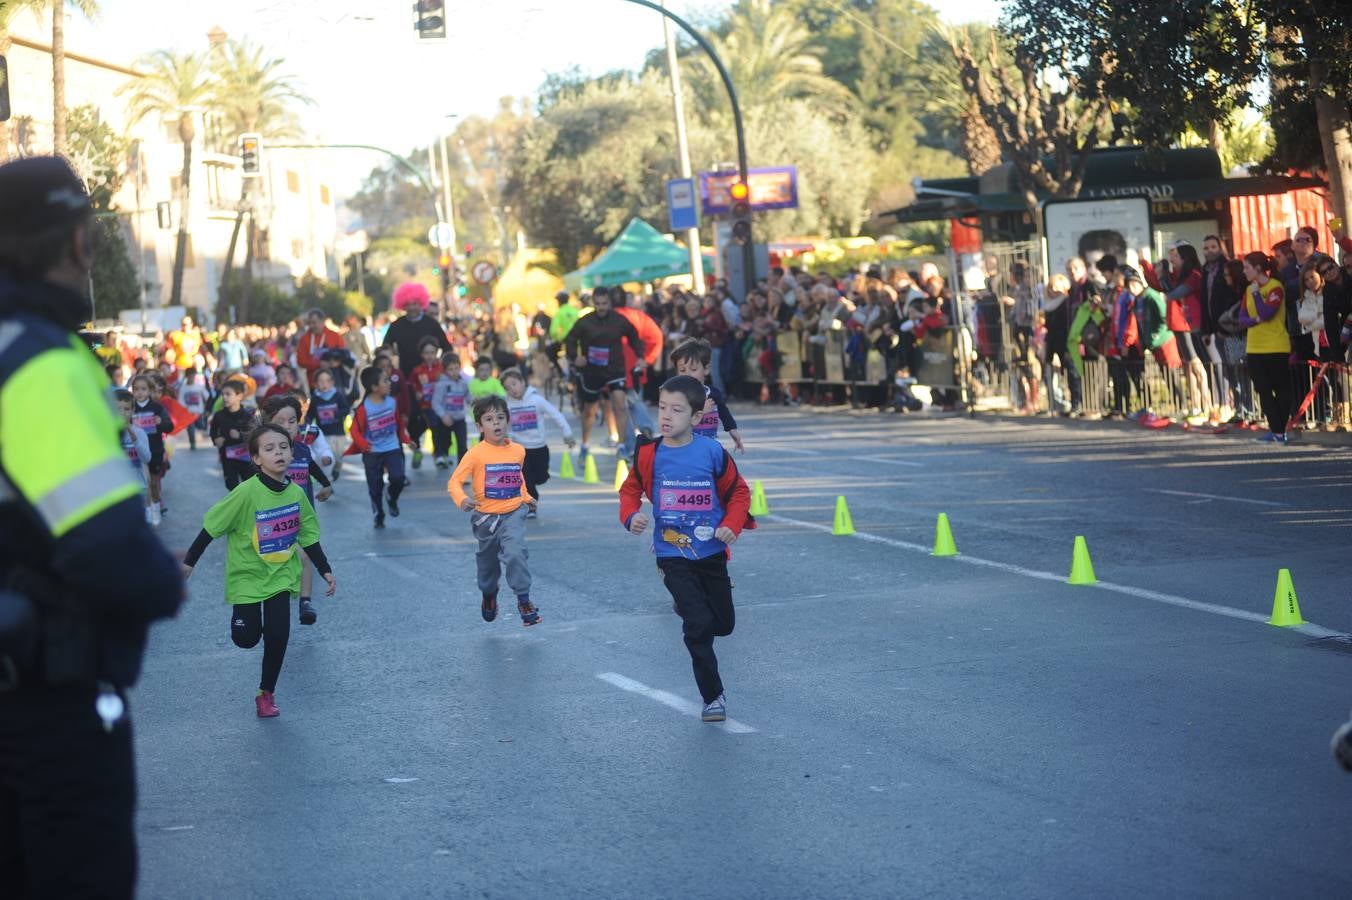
(716, 710)
(154, 514)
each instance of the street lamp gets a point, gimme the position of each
(748, 249)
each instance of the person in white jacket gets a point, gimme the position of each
(526, 408)
(450, 398)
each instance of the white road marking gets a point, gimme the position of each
(679, 704)
(178, 828)
(1309, 628)
(889, 462)
(400, 780)
(1214, 497)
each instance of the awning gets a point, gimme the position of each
(929, 208)
(640, 253)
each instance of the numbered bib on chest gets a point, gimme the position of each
(192, 398)
(129, 446)
(383, 426)
(146, 421)
(299, 473)
(502, 481)
(428, 389)
(598, 356)
(327, 413)
(524, 420)
(673, 498)
(708, 426)
(237, 452)
(275, 532)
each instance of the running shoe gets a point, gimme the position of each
(266, 705)
(154, 514)
(417, 459)
(307, 612)
(380, 520)
(337, 470)
(443, 463)
(1271, 438)
(393, 504)
(529, 614)
(1196, 420)
(489, 608)
(583, 451)
(531, 514)
(716, 710)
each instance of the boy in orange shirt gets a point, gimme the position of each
(494, 465)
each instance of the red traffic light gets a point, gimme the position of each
(739, 190)
(469, 248)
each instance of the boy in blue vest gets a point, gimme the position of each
(700, 505)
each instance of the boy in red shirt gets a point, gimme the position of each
(423, 385)
(700, 506)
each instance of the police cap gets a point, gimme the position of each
(38, 193)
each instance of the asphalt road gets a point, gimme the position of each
(903, 726)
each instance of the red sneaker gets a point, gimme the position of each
(267, 706)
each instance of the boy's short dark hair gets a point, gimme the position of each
(693, 350)
(513, 372)
(427, 342)
(122, 395)
(370, 377)
(449, 357)
(276, 404)
(485, 405)
(234, 384)
(483, 361)
(688, 387)
(257, 435)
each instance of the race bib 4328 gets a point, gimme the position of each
(275, 530)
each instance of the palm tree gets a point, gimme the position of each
(89, 8)
(251, 95)
(174, 87)
(7, 11)
(949, 103)
(770, 56)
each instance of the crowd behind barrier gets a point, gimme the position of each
(1162, 343)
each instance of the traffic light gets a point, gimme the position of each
(429, 19)
(469, 250)
(741, 212)
(4, 90)
(250, 155)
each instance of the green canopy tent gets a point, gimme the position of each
(640, 253)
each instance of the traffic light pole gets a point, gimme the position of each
(748, 248)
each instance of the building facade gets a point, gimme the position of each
(294, 206)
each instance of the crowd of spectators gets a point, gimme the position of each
(1233, 342)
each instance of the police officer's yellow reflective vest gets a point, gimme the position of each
(60, 434)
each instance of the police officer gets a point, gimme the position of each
(81, 574)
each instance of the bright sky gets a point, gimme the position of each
(373, 82)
